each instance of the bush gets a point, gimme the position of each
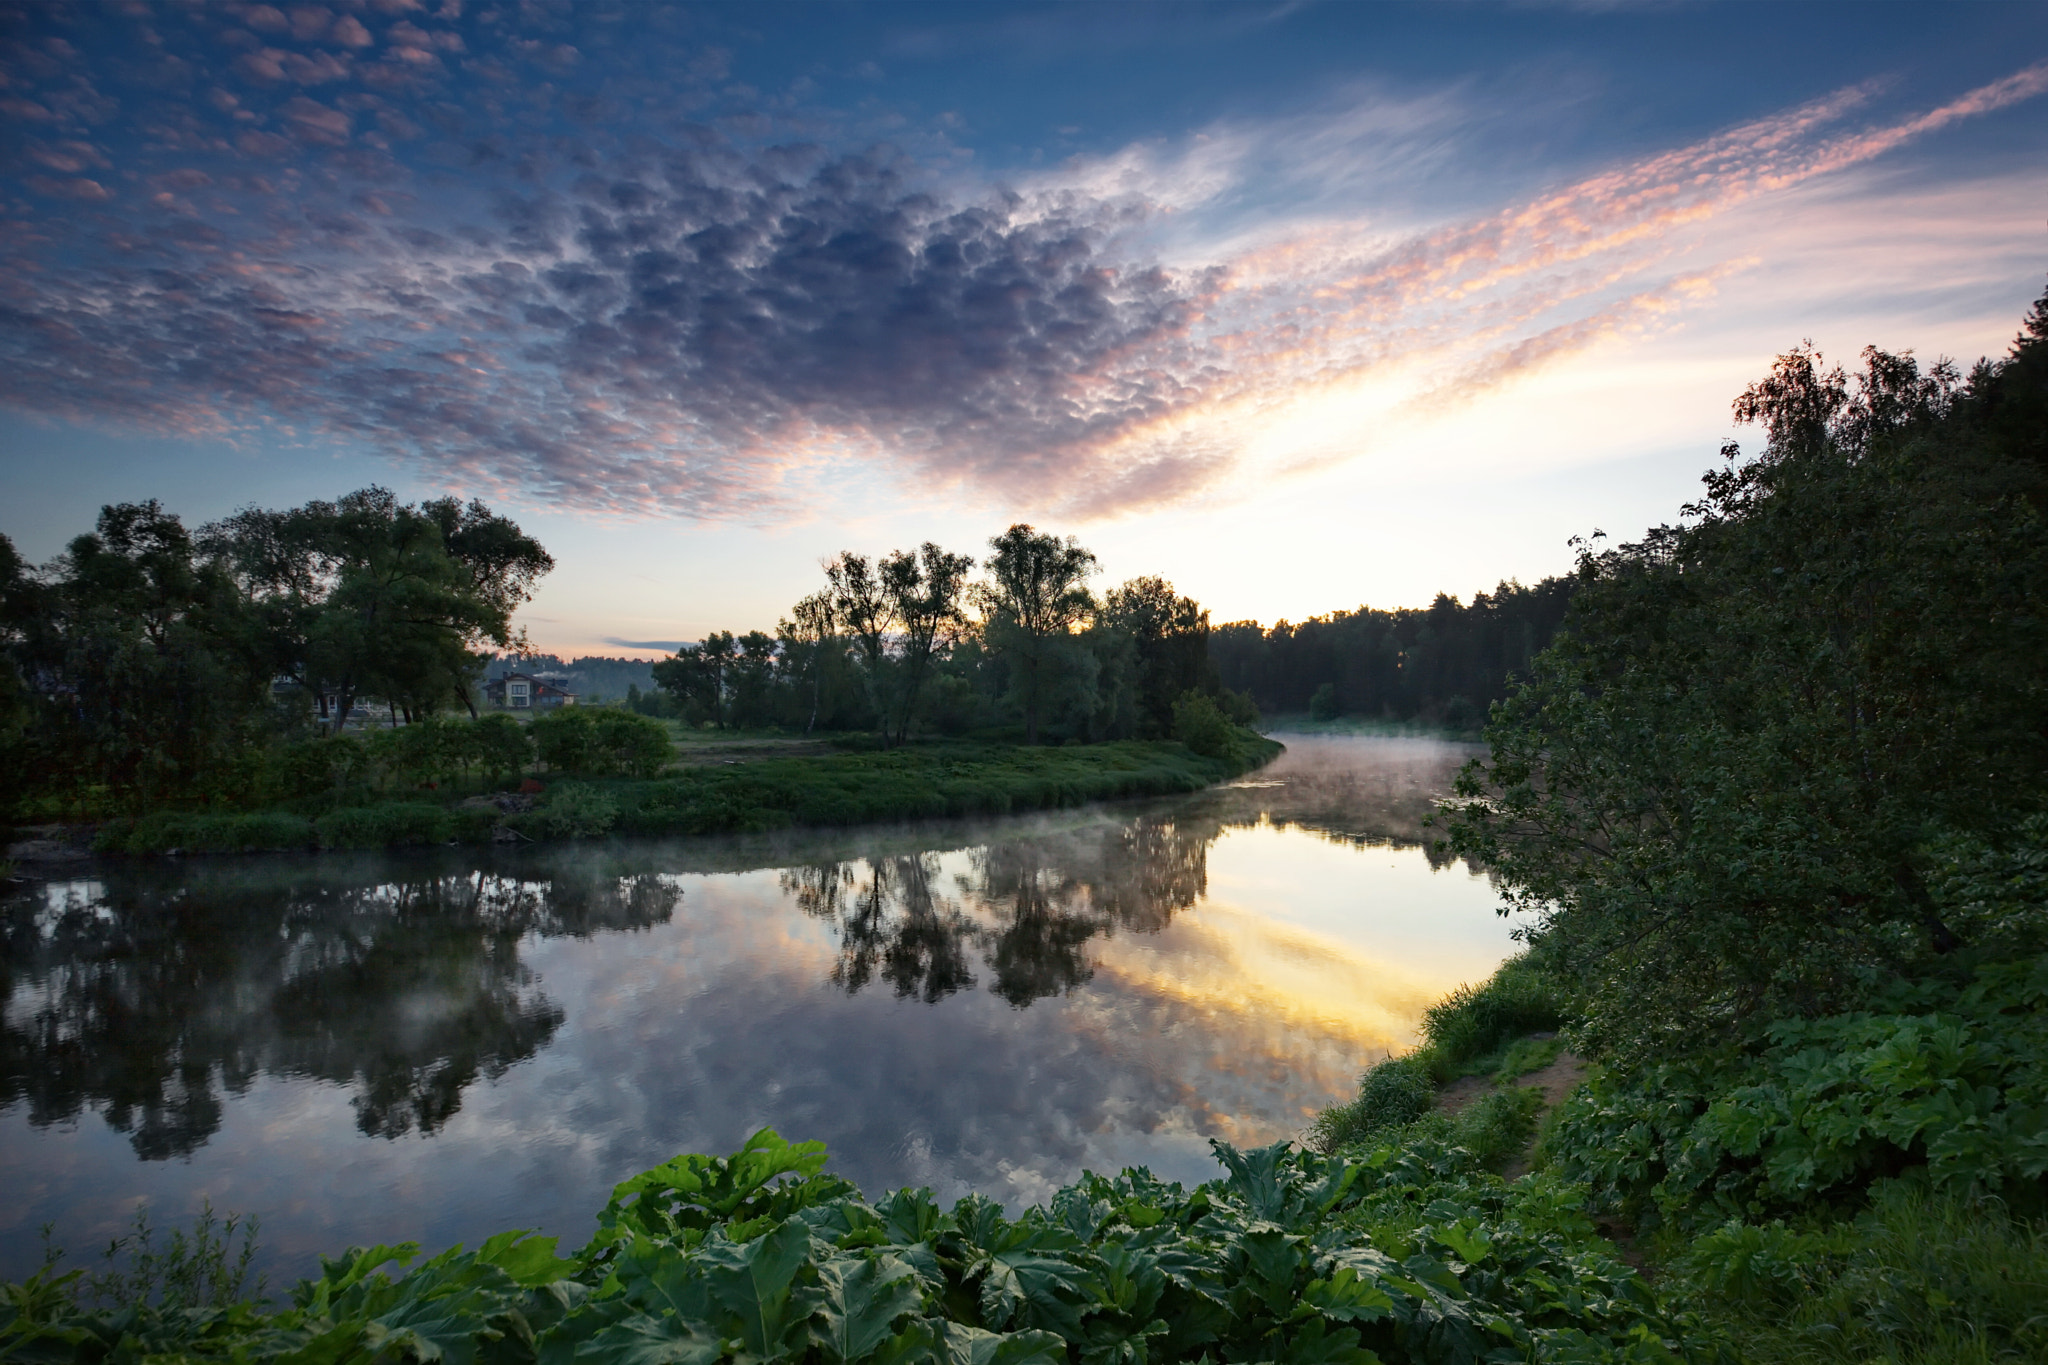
(1825, 1107)
(1323, 705)
(501, 747)
(313, 768)
(635, 746)
(575, 810)
(1493, 1129)
(578, 739)
(1238, 707)
(1198, 724)
(563, 739)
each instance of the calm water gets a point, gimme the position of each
(437, 1046)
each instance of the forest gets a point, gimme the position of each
(1443, 664)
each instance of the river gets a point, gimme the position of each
(437, 1045)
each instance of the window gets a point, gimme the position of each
(516, 694)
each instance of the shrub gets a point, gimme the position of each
(637, 746)
(317, 767)
(1825, 1107)
(575, 810)
(587, 740)
(563, 739)
(1323, 705)
(763, 1257)
(1198, 724)
(500, 746)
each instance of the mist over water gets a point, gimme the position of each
(438, 1045)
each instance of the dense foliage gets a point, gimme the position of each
(1732, 781)
(1775, 797)
(1444, 663)
(1288, 1257)
(151, 665)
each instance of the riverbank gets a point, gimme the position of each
(1849, 1188)
(732, 796)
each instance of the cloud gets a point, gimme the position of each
(707, 323)
(667, 646)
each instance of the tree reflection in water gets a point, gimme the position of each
(148, 994)
(1027, 907)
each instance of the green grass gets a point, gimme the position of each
(918, 782)
(915, 783)
(1919, 1278)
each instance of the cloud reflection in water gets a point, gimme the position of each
(429, 1048)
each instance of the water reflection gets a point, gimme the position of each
(436, 1046)
(150, 994)
(1027, 910)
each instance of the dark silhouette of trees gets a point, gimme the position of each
(1736, 780)
(1036, 592)
(1446, 662)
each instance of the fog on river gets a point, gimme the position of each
(439, 1045)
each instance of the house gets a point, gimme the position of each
(526, 691)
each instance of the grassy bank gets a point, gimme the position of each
(1861, 1187)
(924, 781)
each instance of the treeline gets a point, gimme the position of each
(153, 664)
(913, 642)
(1444, 663)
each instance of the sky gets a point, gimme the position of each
(1302, 306)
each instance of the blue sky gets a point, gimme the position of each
(1302, 305)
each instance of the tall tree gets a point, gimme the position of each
(865, 613)
(1170, 635)
(924, 590)
(1036, 592)
(810, 630)
(369, 595)
(698, 675)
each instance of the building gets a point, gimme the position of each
(529, 691)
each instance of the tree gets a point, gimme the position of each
(696, 676)
(860, 603)
(924, 592)
(752, 679)
(1035, 594)
(1170, 634)
(1724, 790)
(809, 632)
(367, 595)
(146, 677)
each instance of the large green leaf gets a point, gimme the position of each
(960, 1344)
(645, 1340)
(757, 1284)
(1028, 1289)
(863, 1300)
